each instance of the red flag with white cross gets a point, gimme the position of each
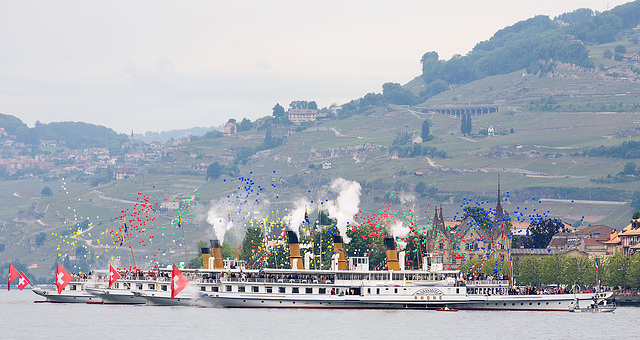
(13, 274)
(113, 275)
(178, 282)
(62, 278)
(23, 281)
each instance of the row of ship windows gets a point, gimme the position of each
(150, 286)
(522, 303)
(307, 290)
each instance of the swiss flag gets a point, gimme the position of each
(62, 278)
(113, 275)
(13, 274)
(23, 281)
(178, 282)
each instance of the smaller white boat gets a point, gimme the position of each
(160, 298)
(596, 306)
(74, 292)
(116, 296)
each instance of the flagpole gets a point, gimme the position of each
(413, 221)
(130, 247)
(184, 240)
(597, 282)
(235, 241)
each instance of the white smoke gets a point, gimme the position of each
(345, 207)
(399, 230)
(296, 216)
(219, 220)
(241, 214)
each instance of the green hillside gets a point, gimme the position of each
(553, 116)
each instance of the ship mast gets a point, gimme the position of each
(184, 240)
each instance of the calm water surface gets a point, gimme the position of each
(21, 318)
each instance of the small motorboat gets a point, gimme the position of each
(446, 309)
(597, 306)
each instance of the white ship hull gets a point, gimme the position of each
(116, 296)
(51, 295)
(551, 302)
(164, 299)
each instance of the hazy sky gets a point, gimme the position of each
(162, 65)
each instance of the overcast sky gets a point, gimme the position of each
(162, 65)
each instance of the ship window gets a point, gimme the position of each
(457, 290)
(139, 286)
(241, 289)
(214, 289)
(228, 288)
(203, 288)
(73, 287)
(395, 290)
(368, 290)
(281, 290)
(295, 290)
(152, 286)
(308, 290)
(529, 303)
(254, 289)
(377, 290)
(322, 290)
(547, 302)
(269, 289)
(117, 286)
(163, 287)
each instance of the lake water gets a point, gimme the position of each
(21, 318)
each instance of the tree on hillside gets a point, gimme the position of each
(540, 233)
(40, 238)
(463, 124)
(420, 188)
(636, 215)
(607, 54)
(468, 124)
(252, 245)
(245, 125)
(481, 216)
(425, 130)
(629, 168)
(270, 142)
(620, 49)
(577, 16)
(432, 67)
(213, 171)
(278, 112)
(46, 191)
(394, 93)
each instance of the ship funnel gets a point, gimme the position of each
(338, 247)
(294, 251)
(392, 255)
(206, 254)
(217, 254)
